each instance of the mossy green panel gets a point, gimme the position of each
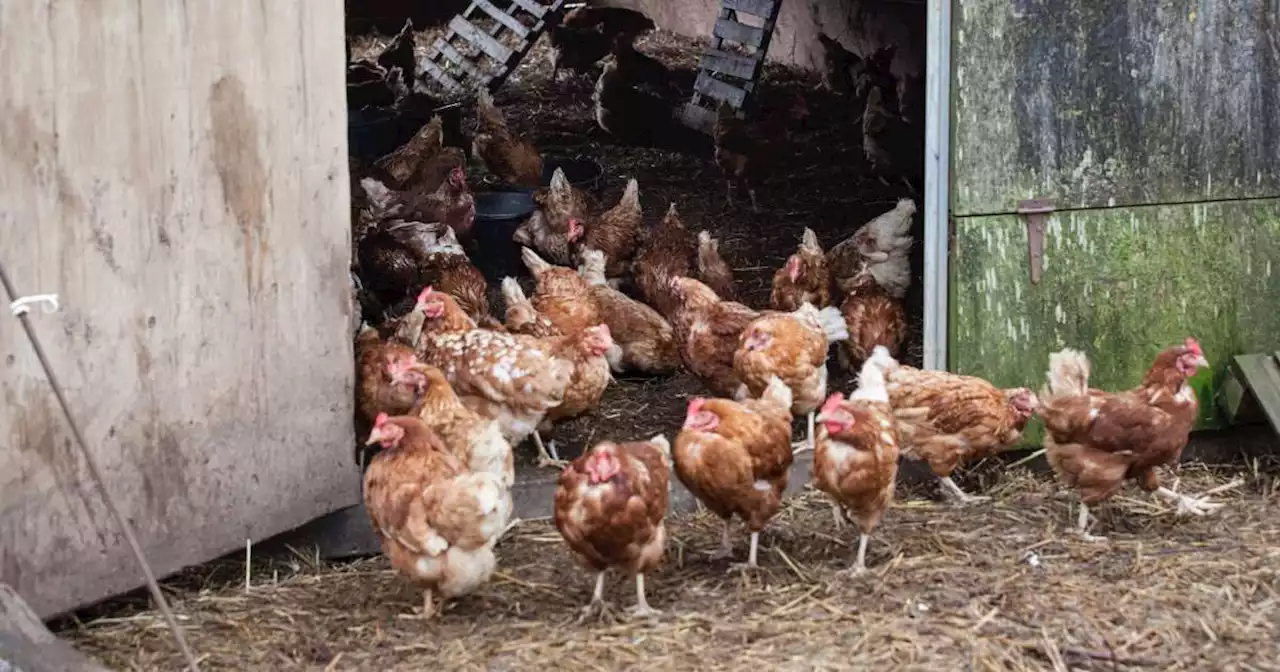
(1119, 284)
(1097, 103)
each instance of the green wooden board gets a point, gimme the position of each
(1119, 284)
(1262, 374)
(1114, 102)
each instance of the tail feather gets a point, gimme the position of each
(809, 241)
(533, 262)
(830, 320)
(592, 267)
(778, 392)
(871, 379)
(631, 197)
(512, 293)
(1068, 375)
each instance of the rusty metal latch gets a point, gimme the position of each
(1036, 211)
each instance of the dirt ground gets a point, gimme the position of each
(820, 182)
(994, 586)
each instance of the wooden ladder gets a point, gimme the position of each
(725, 76)
(497, 51)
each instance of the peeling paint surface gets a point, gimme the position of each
(1119, 284)
(1100, 103)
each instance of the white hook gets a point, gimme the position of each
(21, 306)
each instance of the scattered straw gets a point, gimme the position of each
(949, 587)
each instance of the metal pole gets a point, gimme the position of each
(96, 473)
(937, 178)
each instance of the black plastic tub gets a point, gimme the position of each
(373, 133)
(581, 172)
(498, 215)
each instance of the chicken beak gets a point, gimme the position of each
(374, 437)
(1201, 362)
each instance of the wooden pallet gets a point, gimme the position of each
(1253, 389)
(468, 57)
(726, 76)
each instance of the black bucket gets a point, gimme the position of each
(498, 215)
(373, 133)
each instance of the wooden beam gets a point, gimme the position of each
(739, 32)
(698, 118)
(761, 8)
(504, 18)
(728, 63)
(713, 88)
(25, 644)
(464, 64)
(437, 73)
(468, 31)
(531, 6)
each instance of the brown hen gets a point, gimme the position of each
(735, 457)
(609, 507)
(1097, 440)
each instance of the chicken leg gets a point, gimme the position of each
(726, 543)
(751, 563)
(807, 445)
(428, 604)
(1187, 505)
(596, 607)
(1082, 525)
(548, 459)
(642, 608)
(955, 494)
(860, 563)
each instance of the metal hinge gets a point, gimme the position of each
(1036, 212)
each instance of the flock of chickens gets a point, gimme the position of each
(447, 389)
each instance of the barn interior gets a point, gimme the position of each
(805, 118)
(998, 586)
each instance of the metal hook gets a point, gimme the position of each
(21, 305)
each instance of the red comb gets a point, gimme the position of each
(1194, 346)
(696, 404)
(426, 291)
(832, 402)
(381, 420)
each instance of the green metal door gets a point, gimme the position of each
(1153, 130)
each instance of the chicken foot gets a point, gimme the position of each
(1188, 505)
(642, 608)
(1082, 525)
(751, 563)
(955, 494)
(597, 607)
(548, 459)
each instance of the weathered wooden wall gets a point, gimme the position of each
(176, 172)
(1155, 130)
(861, 25)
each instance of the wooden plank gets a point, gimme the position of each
(533, 7)
(26, 645)
(739, 32)
(512, 24)
(468, 31)
(172, 243)
(1261, 374)
(437, 73)
(720, 91)
(761, 8)
(728, 63)
(455, 57)
(1017, 133)
(1120, 308)
(698, 117)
